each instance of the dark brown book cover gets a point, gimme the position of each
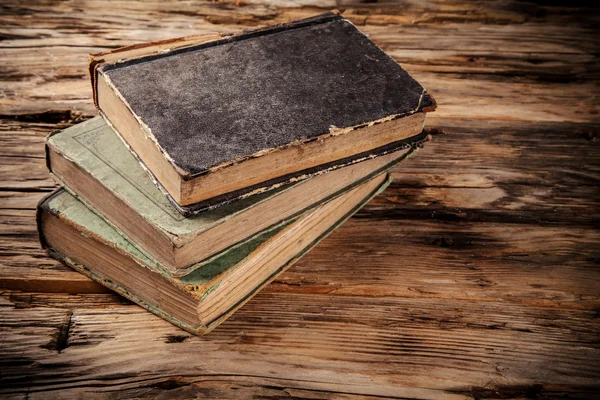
(216, 101)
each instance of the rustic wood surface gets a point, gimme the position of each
(476, 275)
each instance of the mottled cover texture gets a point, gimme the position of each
(211, 104)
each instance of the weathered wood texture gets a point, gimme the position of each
(475, 275)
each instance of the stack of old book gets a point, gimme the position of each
(219, 160)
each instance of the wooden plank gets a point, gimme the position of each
(31, 299)
(504, 151)
(255, 12)
(515, 171)
(307, 342)
(480, 262)
(458, 63)
(507, 216)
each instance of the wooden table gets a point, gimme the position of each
(475, 275)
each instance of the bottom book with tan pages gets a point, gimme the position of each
(201, 300)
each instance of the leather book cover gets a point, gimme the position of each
(214, 101)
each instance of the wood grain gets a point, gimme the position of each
(475, 275)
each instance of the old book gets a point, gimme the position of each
(94, 165)
(217, 118)
(199, 301)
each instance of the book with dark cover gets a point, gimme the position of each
(224, 117)
(94, 165)
(202, 299)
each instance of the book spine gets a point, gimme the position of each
(40, 210)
